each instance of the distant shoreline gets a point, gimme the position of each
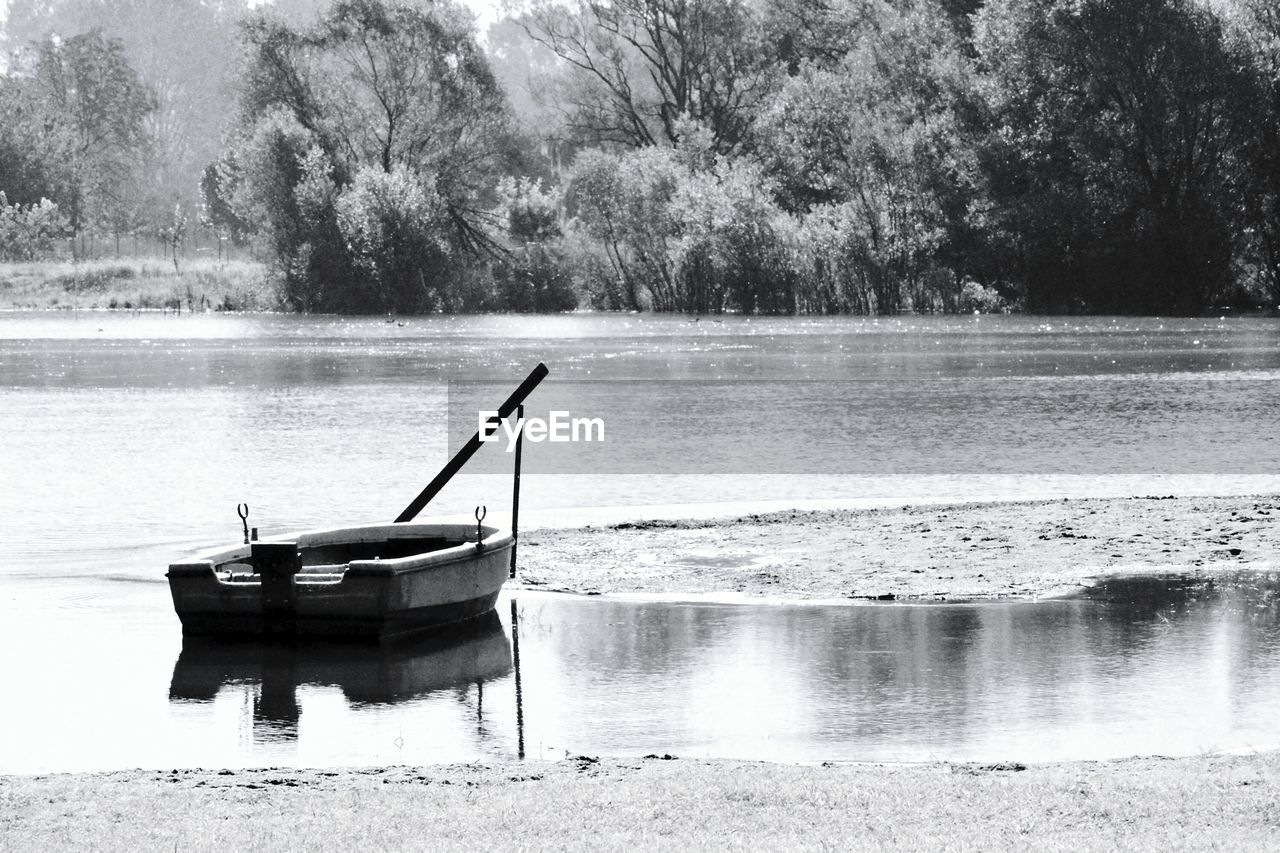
(206, 284)
(952, 552)
(137, 284)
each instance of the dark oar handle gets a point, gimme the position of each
(468, 450)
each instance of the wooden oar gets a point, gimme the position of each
(468, 450)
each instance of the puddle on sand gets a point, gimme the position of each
(1165, 665)
(1152, 665)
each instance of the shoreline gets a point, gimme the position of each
(1014, 551)
(658, 802)
(956, 552)
(133, 284)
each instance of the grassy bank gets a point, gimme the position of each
(138, 284)
(969, 551)
(1222, 802)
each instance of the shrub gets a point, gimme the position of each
(396, 229)
(94, 278)
(978, 299)
(29, 232)
(534, 280)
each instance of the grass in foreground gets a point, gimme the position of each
(1218, 802)
(138, 284)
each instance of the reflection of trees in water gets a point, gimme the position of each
(627, 673)
(869, 680)
(1247, 636)
(913, 676)
(640, 639)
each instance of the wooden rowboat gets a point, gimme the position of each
(374, 581)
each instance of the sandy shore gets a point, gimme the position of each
(969, 551)
(1222, 803)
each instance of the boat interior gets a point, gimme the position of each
(327, 562)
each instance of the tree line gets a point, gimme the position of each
(759, 156)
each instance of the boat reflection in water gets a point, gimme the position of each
(367, 674)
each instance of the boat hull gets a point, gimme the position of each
(364, 598)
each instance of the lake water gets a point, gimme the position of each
(126, 442)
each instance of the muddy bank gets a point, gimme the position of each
(967, 551)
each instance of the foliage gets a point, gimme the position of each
(534, 278)
(27, 173)
(370, 145)
(395, 226)
(216, 208)
(183, 52)
(30, 232)
(1258, 32)
(980, 300)
(621, 201)
(77, 131)
(759, 156)
(640, 67)
(531, 213)
(275, 179)
(732, 249)
(683, 230)
(872, 150)
(387, 83)
(1117, 129)
(534, 274)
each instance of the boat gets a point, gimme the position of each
(373, 581)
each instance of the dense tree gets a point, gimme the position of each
(27, 173)
(683, 229)
(76, 131)
(639, 67)
(384, 84)
(817, 32)
(696, 155)
(874, 149)
(29, 232)
(622, 201)
(372, 142)
(534, 275)
(1259, 29)
(184, 53)
(1114, 153)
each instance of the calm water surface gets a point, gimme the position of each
(1170, 669)
(120, 430)
(126, 441)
